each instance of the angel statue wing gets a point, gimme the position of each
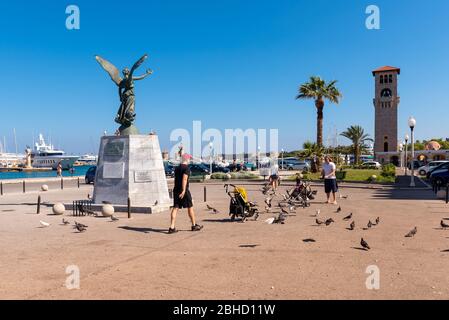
(138, 64)
(111, 69)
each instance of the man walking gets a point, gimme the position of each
(330, 179)
(181, 194)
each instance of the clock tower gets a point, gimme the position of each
(386, 104)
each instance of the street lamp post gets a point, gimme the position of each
(211, 146)
(282, 159)
(406, 138)
(412, 124)
(401, 146)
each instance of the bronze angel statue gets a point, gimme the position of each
(126, 113)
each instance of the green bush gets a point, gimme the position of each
(388, 170)
(243, 175)
(219, 175)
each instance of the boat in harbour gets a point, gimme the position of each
(87, 159)
(46, 156)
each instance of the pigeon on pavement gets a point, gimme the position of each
(364, 244)
(412, 232)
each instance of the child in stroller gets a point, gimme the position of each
(239, 205)
(302, 192)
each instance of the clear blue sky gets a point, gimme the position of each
(230, 64)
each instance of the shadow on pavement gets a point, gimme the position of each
(404, 194)
(144, 230)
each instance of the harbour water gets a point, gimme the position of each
(79, 171)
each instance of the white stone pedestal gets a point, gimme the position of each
(131, 166)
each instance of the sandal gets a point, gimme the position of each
(170, 230)
(197, 227)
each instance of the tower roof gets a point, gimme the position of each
(385, 69)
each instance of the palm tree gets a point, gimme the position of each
(318, 90)
(358, 137)
(314, 151)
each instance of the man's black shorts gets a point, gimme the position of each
(330, 185)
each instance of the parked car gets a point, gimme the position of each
(90, 175)
(169, 169)
(249, 166)
(441, 166)
(294, 164)
(372, 164)
(417, 164)
(235, 167)
(424, 169)
(440, 177)
(198, 169)
(217, 168)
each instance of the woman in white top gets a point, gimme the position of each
(330, 179)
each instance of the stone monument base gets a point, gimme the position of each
(131, 167)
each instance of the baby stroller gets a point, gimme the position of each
(239, 205)
(301, 195)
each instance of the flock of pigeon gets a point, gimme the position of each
(288, 207)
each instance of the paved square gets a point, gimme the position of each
(136, 259)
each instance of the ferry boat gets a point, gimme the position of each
(45, 156)
(11, 159)
(87, 159)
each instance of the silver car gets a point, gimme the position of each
(293, 164)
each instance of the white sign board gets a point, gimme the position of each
(113, 170)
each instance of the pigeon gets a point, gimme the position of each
(65, 222)
(377, 221)
(412, 232)
(114, 218)
(269, 220)
(80, 224)
(88, 196)
(280, 219)
(155, 203)
(444, 225)
(44, 224)
(318, 222)
(338, 209)
(268, 201)
(329, 221)
(292, 208)
(352, 226)
(212, 208)
(80, 228)
(348, 217)
(343, 197)
(317, 212)
(364, 244)
(370, 224)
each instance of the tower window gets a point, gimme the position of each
(381, 79)
(385, 146)
(390, 78)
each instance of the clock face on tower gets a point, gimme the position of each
(386, 93)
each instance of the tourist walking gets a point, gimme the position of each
(330, 179)
(181, 194)
(59, 170)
